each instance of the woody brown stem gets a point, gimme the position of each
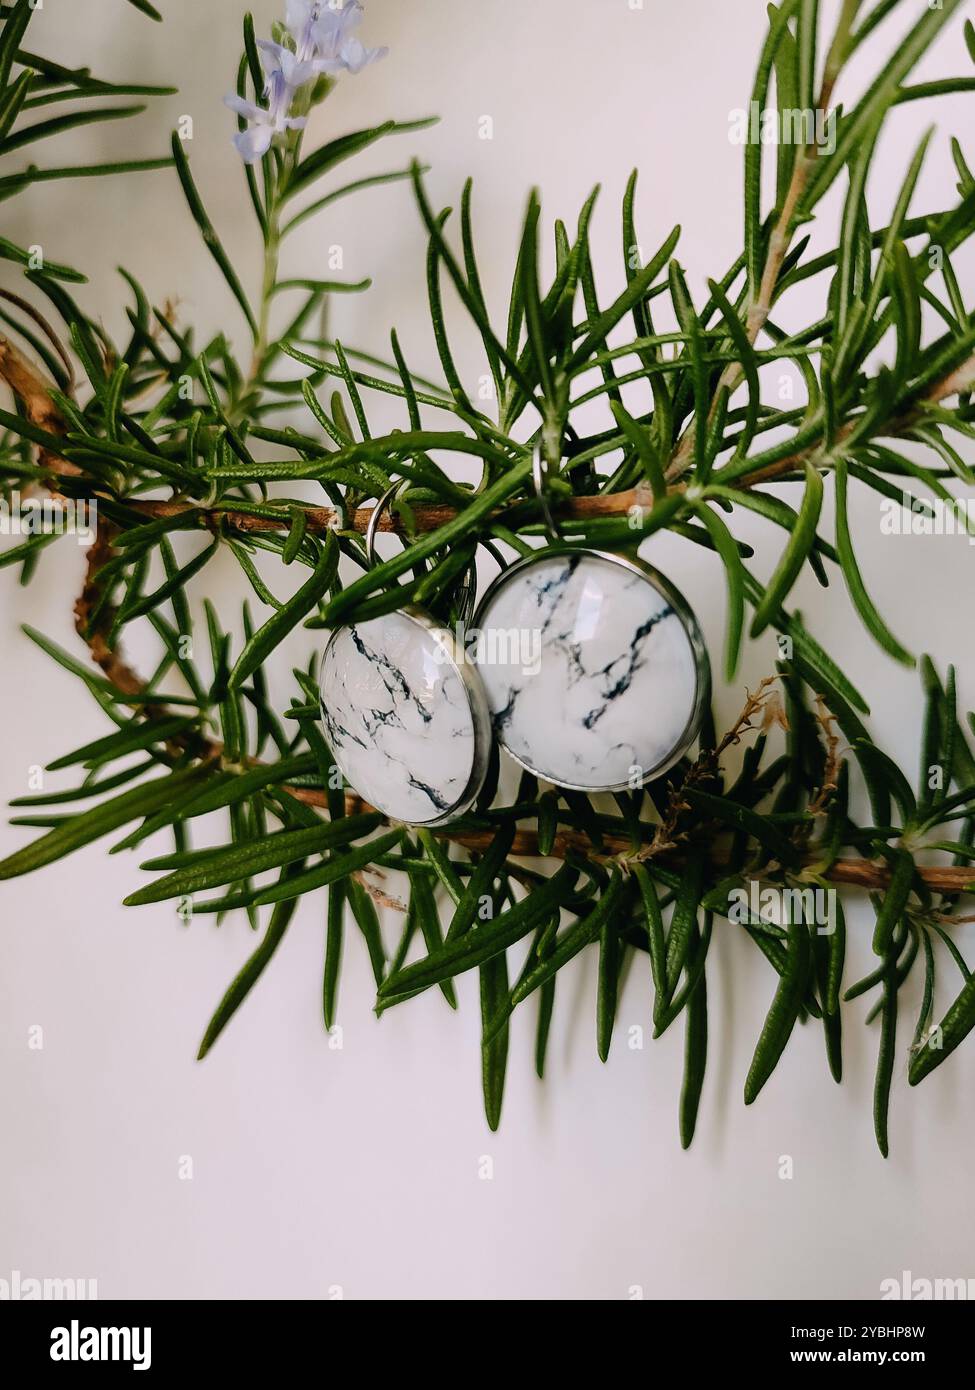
(93, 619)
(611, 504)
(859, 873)
(426, 518)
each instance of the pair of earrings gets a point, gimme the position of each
(590, 671)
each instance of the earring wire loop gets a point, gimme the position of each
(540, 476)
(376, 517)
(467, 595)
(540, 479)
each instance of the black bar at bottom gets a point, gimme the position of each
(167, 1339)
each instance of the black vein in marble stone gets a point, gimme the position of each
(431, 793)
(634, 660)
(375, 720)
(400, 685)
(556, 588)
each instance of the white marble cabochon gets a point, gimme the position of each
(398, 721)
(616, 681)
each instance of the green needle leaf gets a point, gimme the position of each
(744, 818)
(957, 1023)
(425, 911)
(211, 868)
(58, 124)
(885, 1056)
(635, 291)
(333, 948)
(334, 869)
(607, 986)
(493, 976)
(851, 573)
(784, 1011)
(118, 745)
(573, 941)
(146, 8)
(248, 976)
(895, 901)
(695, 1060)
(16, 20)
(795, 554)
(328, 156)
(754, 241)
(727, 548)
(267, 638)
(101, 820)
(642, 441)
(684, 923)
(208, 231)
(241, 786)
(484, 940)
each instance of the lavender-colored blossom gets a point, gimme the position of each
(277, 59)
(323, 35)
(264, 122)
(324, 44)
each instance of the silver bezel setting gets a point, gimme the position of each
(477, 702)
(684, 612)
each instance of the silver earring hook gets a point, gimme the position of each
(540, 478)
(468, 593)
(375, 518)
(467, 596)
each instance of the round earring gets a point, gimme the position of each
(404, 710)
(594, 665)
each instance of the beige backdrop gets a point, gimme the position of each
(317, 1170)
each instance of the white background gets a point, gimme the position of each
(316, 1168)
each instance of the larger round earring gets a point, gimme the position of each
(594, 665)
(404, 709)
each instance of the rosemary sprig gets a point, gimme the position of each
(189, 450)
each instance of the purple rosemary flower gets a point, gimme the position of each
(322, 31)
(323, 44)
(264, 121)
(295, 69)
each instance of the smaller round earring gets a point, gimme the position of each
(404, 710)
(594, 665)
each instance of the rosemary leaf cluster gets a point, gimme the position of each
(189, 449)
